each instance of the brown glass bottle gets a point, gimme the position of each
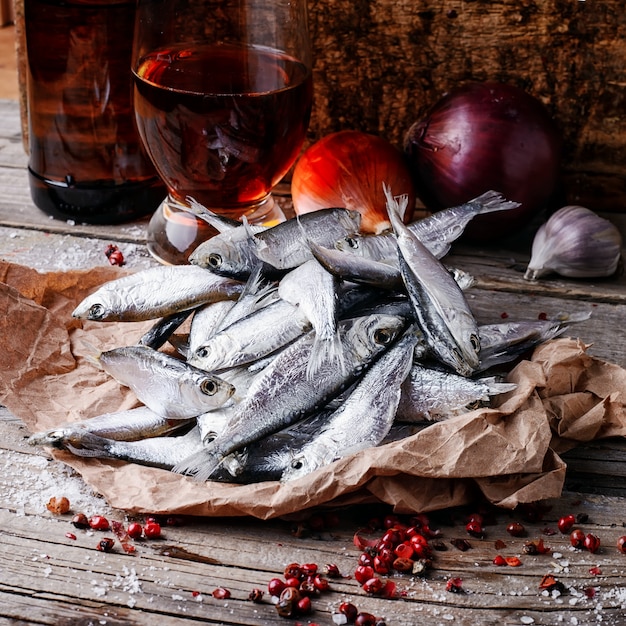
(86, 161)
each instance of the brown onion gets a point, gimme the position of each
(484, 136)
(347, 169)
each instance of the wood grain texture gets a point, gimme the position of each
(380, 65)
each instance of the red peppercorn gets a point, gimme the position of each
(70, 535)
(404, 550)
(309, 569)
(365, 619)
(106, 544)
(320, 583)
(287, 605)
(577, 538)
(363, 573)
(152, 530)
(304, 605)
(455, 585)
(373, 585)
(221, 593)
(99, 522)
(292, 581)
(512, 561)
(349, 610)
(390, 520)
(499, 560)
(381, 565)
(80, 521)
(275, 586)
(515, 529)
(475, 530)
(256, 595)
(293, 570)
(566, 523)
(332, 570)
(365, 559)
(402, 564)
(592, 543)
(134, 530)
(621, 544)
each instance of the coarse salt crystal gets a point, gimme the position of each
(526, 619)
(339, 619)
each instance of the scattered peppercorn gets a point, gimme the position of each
(80, 521)
(58, 506)
(106, 544)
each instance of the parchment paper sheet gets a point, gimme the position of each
(509, 454)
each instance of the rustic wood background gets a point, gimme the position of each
(381, 64)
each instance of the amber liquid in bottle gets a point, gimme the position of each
(86, 161)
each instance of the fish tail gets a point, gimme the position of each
(396, 205)
(492, 201)
(200, 465)
(495, 387)
(325, 351)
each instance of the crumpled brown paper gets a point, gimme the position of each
(507, 454)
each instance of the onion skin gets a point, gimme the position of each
(347, 169)
(484, 136)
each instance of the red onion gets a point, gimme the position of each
(347, 169)
(484, 136)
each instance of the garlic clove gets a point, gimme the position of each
(577, 243)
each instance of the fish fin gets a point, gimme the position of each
(325, 351)
(396, 205)
(220, 223)
(200, 465)
(86, 444)
(180, 343)
(91, 353)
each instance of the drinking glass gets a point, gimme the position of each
(223, 95)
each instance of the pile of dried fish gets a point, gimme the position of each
(302, 343)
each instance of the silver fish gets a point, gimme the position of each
(156, 292)
(437, 231)
(365, 418)
(503, 342)
(231, 254)
(434, 394)
(367, 271)
(314, 291)
(359, 269)
(165, 384)
(163, 452)
(205, 322)
(284, 247)
(252, 337)
(284, 394)
(438, 302)
(130, 425)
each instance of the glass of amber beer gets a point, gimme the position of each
(223, 95)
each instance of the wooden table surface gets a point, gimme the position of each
(49, 577)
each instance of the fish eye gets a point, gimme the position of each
(202, 353)
(383, 337)
(215, 260)
(208, 387)
(297, 464)
(475, 341)
(96, 312)
(352, 242)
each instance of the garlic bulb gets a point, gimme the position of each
(575, 242)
